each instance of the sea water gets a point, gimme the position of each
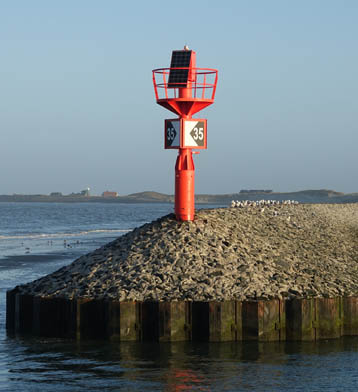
(38, 238)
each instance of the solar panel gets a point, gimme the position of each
(179, 77)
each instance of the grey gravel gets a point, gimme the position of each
(281, 251)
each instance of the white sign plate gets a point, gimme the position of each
(194, 133)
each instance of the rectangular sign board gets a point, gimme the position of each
(182, 133)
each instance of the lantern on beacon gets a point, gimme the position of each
(185, 89)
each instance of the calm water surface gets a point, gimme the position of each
(36, 239)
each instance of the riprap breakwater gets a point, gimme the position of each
(267, 273)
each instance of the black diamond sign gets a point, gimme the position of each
(197, 133)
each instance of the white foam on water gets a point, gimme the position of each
(62, 234)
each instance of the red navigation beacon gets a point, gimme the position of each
(185, 90)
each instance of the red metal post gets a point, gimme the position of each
(184, 185)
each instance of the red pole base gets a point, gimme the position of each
(184, 186)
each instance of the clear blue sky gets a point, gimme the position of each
(77, 105)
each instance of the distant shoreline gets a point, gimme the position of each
(306, 196)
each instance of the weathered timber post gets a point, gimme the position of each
(263, 320)
(222, 321)
(150, 321)
(10, 310)
(54, 317)
(173, 321)
(300, 319)
(329, 318)
(130, 321)
(92, 318)
(200, 321)
(238, 321)
(350, 316)
(23, 313)
(113, 331)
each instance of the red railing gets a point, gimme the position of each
(202, 82)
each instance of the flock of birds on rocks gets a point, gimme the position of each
(261, 203)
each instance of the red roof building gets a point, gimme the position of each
(109, 194)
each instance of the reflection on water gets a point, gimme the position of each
(58, 365)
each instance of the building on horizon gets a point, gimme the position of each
(109, 194)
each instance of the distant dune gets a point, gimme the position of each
(306, 196)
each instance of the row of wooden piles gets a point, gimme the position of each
(266, 320)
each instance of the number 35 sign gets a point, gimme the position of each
(182, 133)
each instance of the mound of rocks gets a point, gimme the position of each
(286, 250)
